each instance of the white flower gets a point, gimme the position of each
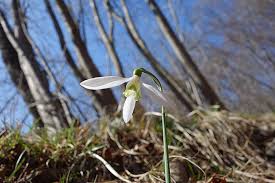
(132, 91)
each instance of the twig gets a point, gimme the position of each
(108, 166)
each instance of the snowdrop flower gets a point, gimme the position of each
(133, 94)
(132, 91)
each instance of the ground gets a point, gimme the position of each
(205, 146)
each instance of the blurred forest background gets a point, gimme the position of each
(206, 52)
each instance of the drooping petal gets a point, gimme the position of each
(99, 83)
(159, 97)
(128, 108)
(153, 92)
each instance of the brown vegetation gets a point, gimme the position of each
(208, 146)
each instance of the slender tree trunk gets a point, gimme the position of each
(61, 102)
(66, 52)
(164, 74)
(184, 57)
(108, 41)
(10, 58)
(51, 113)
(101, 98)
(109, 44)
(64, 48)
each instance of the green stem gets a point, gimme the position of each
(138, 72)
(165, 147)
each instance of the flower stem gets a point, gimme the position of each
(165, 147)
(138, 72)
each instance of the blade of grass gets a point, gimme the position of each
(18, 165)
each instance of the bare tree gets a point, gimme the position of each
(68, 57)
(127, 22)
(102, 98)
(11, 61)
(243, 62)
(51, 114)
(183, 56)
(107, 39)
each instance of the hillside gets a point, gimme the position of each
(206, 146)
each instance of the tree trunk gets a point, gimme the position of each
(108, 41)
(109, 44)
(51, 113)
(64, 48)
(184, 57)
(101, 98)
(164, 74)
(10, 58)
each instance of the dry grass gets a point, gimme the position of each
(207, 146)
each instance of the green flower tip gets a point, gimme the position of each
(138, 72)
(133, 88)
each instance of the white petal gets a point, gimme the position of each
(153, 92)
(99, 83)
(159, 97)
(128, 108)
